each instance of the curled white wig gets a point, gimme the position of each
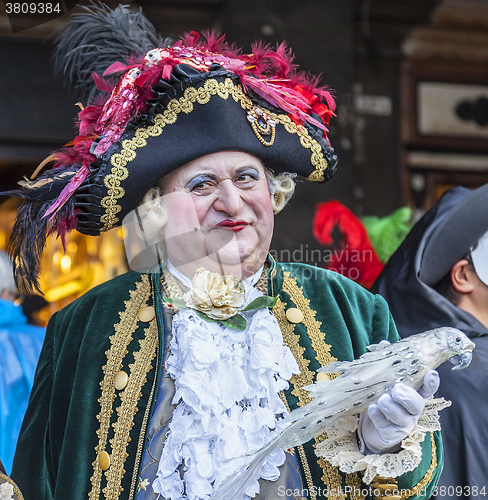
(281, 188)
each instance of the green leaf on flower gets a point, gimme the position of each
(204, 316)
(180, 303)
(237, 322)
(260, 302)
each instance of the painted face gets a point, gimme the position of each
(219, 214)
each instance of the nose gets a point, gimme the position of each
(228, 199)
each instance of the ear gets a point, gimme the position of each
(461, 277)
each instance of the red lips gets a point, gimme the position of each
(235, 226)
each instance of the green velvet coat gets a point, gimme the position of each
(77, 417)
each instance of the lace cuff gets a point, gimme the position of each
(340, 448)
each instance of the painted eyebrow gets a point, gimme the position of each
(241, 170)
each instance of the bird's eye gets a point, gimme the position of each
(458, 339)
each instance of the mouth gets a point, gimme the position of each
(235, 226)
(461, 361)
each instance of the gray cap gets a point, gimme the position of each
(456, 234)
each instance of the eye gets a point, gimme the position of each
(247, 178)
(458, 339)
(153, 55)
(201, 185)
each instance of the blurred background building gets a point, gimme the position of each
(411, 80)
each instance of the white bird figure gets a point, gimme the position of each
(362, 382)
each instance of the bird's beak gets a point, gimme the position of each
(461, 361)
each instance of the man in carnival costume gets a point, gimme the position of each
(161, 384)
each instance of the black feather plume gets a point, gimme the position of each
(28, 239)
(94, 39)
(46, 187)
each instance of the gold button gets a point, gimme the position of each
(146, 314)
(322, 377)
(121, 380)
(294, 315)
(104, 460)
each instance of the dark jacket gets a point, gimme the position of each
(417, 307)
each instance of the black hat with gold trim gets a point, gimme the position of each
(164, 106)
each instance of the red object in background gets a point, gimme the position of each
(353, 255)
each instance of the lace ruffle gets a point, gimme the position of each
(340, 448)
(227, 395)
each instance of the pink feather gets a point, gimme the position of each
(282, 61)
(116, 67)
(282, 97)
(102, 84)
(65, 224)
(73, 155)
(167, 70)
(68, 190)
(87, 119)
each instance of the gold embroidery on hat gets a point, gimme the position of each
(262, 124)
(184, 104)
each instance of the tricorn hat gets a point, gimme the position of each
(165, 105)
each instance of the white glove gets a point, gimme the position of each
(392, 418)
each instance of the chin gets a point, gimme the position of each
(230, 258)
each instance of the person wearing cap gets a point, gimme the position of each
(439, 277)
(20, 345)
(159, 383)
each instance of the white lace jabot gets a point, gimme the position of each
(227, 385)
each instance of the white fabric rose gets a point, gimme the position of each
(217, 296)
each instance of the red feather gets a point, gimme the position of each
(355, 256)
